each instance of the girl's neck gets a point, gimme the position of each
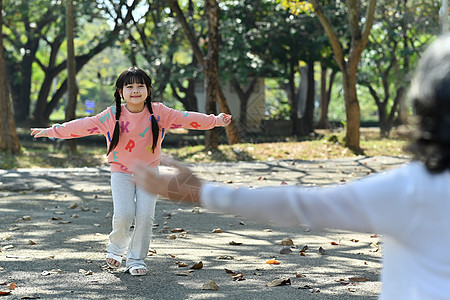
(133, 108)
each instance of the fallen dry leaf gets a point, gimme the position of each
(358, 279)
(279, 282)
(86, 273)
(226, 257)
(285, 250)
(30, 242)
(54, 271)
(287, 242)
(64, 222)
(17, 256)
(304, 248)
(299, 275)
(217, 230)
(172, 237)
(334, 243)
(238, 276)
(272, 262)
(5, 293)
(321, 251)
(11, 286)
(233, 243)
(174, 230)
(210, 285)
(303, 254)
(73, 206)
(197, 266)
(184, 273)
(181, 264)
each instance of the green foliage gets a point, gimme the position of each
(258, 38)
(296, 7)
(277, 106)
(96, 80)
(397, 39)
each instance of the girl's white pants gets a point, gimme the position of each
(131, 203)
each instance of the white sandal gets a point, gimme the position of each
(116, 258)
(137, 268)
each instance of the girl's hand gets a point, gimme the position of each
(226, 119)
(39, 132)
(183, 186)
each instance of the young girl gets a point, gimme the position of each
(133, 130)
(410, 205)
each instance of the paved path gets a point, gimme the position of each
(55, 224)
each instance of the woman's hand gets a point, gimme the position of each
(183, 186)
(39, 132)
(226, 119)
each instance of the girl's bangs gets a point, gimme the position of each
(132, 78)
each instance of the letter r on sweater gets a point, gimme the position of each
(130, 145)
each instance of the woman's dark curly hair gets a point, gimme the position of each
(430, 95)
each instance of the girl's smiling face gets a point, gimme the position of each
(134, 95)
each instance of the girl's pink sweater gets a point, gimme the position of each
(135, 140)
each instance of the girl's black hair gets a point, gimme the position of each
(430, 94)
(130, 76)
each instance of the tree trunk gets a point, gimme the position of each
(308, 116)
(71, 73)
(349, 65)
(209, 63)
(211, 66)
(243, 96)
(353, 112)
(292, 99)
(20, 83)
(325, 97)
(9, 140)
(189, 100)
(212, 135)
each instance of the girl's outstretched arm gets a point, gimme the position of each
(183, 186)
(39, 132)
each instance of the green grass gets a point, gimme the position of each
(329, 145)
